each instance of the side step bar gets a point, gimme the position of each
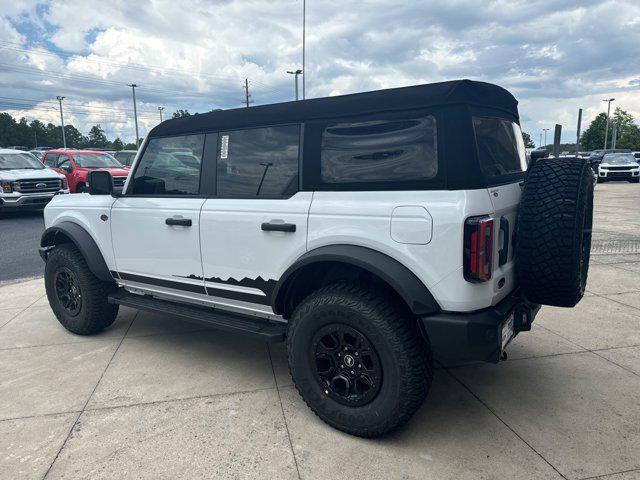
(271, 332)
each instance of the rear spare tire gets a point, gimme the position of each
(553, 240)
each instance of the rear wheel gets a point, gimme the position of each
(77, 297)
(553, 241)
(80, 188)
(358, 360)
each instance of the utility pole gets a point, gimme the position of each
(135, 113)
(296, 73)
(606, 129)
(246, 91)
(64, 140)
(160, 110)
(578, 131)
(614, 135)
(540, 144)
(304, 69)
(545, 130)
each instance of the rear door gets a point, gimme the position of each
(502, 157)
(155, 225)
(255, 226)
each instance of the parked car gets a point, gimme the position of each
(371, 231)
(596, 156)
(619, 166)
(76, 164)
(25, 182)
(125, 157)
(637, 156)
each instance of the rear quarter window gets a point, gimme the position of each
(385, 150)
(500, 146)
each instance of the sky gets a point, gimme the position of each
(555, 56)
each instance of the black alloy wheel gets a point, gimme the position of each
(68, 291)
(346, 365)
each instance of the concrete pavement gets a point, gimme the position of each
(153, 397)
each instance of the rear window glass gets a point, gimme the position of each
(259, 162)
(500, 146)
(379, 150)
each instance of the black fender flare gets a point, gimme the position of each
(83, 241)
(415, 294)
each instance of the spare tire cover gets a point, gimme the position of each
(553, 239)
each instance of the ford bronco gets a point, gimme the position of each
(372, 232)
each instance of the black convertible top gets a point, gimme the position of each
(457, 92)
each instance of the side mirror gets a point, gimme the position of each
(67, 168)
(100, 183)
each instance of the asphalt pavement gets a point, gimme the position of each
(19, 241)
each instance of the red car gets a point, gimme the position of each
(76, 164)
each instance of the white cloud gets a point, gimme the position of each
(555, 56)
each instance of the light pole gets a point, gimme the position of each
(606, 129)
(160, 110)
(540, 144)
(304, 70)
(135, 113)
(64, 139)
(545, 130)
(296, 73)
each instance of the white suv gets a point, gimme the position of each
(25, 182)
(371, 231)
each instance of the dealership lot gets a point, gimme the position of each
(154, 397)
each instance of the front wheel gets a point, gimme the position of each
(76, 296)
(358, 360)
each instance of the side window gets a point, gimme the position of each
(51, 159)
(63, 161)
(500, 146)
(258, 162)
(379, 150)
(169, 166)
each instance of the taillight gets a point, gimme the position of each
(478, 248)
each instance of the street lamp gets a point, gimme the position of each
(296, 73)
(545, 130)
(606, 129)
(160, 111)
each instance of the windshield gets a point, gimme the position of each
(619, 158)
(96, 160)
(13, 161)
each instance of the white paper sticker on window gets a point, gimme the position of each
(224, 147)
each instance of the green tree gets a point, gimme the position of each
(97, 138)
(181, 113)
(593, 137)
(528, 143)
(74, 138)
(117, 144)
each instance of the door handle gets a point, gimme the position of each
(278, 227)
(503, 254)
(183, 222)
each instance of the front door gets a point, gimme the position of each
(256, 225)
(155, 225)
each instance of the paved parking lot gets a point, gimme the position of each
(153, 397)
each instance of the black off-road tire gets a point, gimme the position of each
(553, 240)
(95, 313)
(404, 354)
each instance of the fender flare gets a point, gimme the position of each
(83, 241)
(415, 294)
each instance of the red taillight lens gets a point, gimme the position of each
(478, 249)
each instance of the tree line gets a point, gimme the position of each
(36, 134)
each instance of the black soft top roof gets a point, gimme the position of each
(428, 95)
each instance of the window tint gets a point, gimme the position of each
(379, 150)
(500, 146)
(259, 162)
(163, 170)
(50, 159)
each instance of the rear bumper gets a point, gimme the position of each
(473, 336)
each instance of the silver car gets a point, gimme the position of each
(27, 183)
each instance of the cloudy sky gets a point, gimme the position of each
(553, 55)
